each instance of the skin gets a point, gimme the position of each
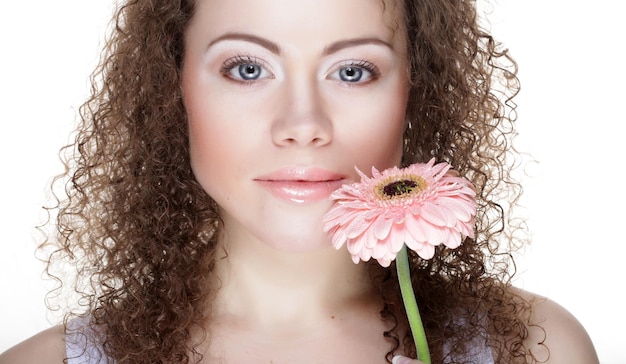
(572, 346)
(298, 114)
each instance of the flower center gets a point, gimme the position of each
(402, 187)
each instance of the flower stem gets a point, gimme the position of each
(410, 304)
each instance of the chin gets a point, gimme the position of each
(299, 242)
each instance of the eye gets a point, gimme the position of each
(245, 69)
(249, 71)
(352, 74)
(356, 72)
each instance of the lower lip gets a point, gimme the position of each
(301, 191)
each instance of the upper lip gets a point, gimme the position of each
(301, 174)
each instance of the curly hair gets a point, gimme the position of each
(140, 231)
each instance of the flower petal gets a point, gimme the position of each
(426, 252)
(417, 227)
(357, 226)
(434, 215)
(454, 240)
(381, 227)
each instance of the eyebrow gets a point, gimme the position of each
(342, 44)
(265, 43)
(275, 48)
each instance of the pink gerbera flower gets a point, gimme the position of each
(419, 207)
(422, 206)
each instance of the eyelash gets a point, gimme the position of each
(365, 64)
(239, 60)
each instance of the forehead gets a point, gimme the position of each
(300, 21)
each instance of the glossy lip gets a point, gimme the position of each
(301, 185)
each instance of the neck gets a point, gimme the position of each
(262, 286)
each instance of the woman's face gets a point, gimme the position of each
(284, 99)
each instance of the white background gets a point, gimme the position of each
(570, 119)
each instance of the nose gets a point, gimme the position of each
(302, 118)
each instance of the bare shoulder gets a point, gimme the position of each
(47, 346)
(555, 328)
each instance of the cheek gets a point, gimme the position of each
(392, 122)
(383, 142)
(376, 131)
(208, 142)
(204, 151)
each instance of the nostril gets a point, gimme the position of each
(317, 141)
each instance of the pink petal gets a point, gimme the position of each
(381, 227)
(417, 228)
(370, 239)
(450, 214)
(415, 245)
(346, 217)
(357, 226)
(454, 241)
(461, 208)
(365, 254)
(433, 214)
(397, 237)
(396, 244)
(338, 237)
(466, 228)
(435, 235)
(356, 245)
(444, 235)
(426, 252)
(337, 212)
(379, 250)
(386, 261)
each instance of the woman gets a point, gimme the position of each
(216, 132)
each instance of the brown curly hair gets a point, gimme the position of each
(139, 229)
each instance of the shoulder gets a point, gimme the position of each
(47, 346)
(555, 335)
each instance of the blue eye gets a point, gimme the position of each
(244, 69)
(351, 74)
(356, 72)
(249, 71)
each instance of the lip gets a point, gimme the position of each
(301, 185)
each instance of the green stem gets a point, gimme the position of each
(410, 304)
